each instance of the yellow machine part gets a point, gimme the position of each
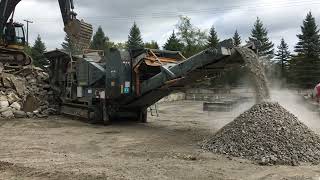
(15, 46)
(80, 33)
(14, 57)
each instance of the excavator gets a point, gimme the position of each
(12, 34)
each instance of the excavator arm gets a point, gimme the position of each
(6, 9)
(79, 31)
(11, 51)
(66, 7)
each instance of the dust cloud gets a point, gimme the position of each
(289, 99)
(223, 118)
(297, 106)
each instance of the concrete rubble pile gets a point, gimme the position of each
(268, 134)
(24, 93)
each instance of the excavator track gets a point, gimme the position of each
(14, 57)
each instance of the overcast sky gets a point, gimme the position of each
(157, 18)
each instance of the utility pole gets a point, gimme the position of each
(28, 21)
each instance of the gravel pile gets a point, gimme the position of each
(268, 134)
(24, 93)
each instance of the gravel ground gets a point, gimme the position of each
(166, 148)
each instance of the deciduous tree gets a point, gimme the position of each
(151, 45)
(193, 39)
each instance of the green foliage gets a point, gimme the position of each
(305, 67)
(99, 40)
(120, 45)
(173, 43)
(193, 39)
(151, 45)
(309, 39)
(283, 56)
(260, 33)
(68, 46)
(213, 39)
(37, 53)
(304, 71)
(236, 39)
(28, 50)
(134, 38)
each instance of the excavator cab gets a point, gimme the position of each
(14, 36)
(12, 44)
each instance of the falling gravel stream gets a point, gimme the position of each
(257, 74)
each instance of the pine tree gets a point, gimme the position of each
(282, 56)
(309, 40)
(260, 33)
(37, 53)
(99, 40)
(173, 43)
(236, 39)
(213, 39)
(151, 45)
(68, 46)
(134, 38)
(305, 67)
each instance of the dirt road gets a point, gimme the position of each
(165, 148)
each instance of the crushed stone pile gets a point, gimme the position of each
(268, 134)
(24, 93)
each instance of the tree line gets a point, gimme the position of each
(301, 68)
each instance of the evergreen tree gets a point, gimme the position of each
(304, 71)
(99, 40)
(173, 43)
(236, 39)
(213, 40)
(282, 56)
(37, 53)
(260, 33)
(134, 38)
(309, 40)
(68, 45)
(151, 45)
(305, 67)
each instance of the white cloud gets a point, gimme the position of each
(156, 19)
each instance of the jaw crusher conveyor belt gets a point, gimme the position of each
(198, 67)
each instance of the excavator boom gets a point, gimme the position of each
(6, 9)
(11, 46)
(79, 31)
